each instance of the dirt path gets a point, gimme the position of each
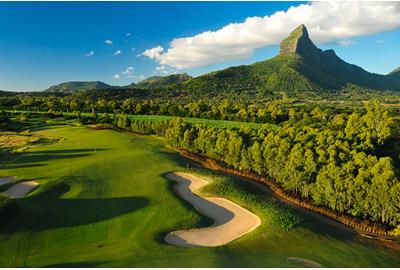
(21, 189)
(230, 220)
(6, 179)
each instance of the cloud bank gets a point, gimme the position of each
(325, 21)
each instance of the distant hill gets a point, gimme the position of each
(155, 82)
(395, 72)
(299, 67)
(73, 87)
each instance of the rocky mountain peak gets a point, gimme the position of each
(298, 42)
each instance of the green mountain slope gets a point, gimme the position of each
(299, 67)
(155, 82)
(72, 87)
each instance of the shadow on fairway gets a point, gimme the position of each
(47, 211)
(173, 156)
(30, 159)
(74, 265)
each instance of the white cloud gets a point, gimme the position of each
(128, 72)
(91, 53)
(108, 42)
(346, 42)
(381, 41)
(141, 77)
(117, 52)
(326, 21)
(155, 53)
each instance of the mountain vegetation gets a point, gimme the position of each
(155, 82)
(72, 87)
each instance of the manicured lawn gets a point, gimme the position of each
(103, 201)
(207, 122)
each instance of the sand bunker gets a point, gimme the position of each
(21, 189)
(6, 179)
(230, 220)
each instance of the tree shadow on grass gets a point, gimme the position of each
(33, 158)
(75, 265)
(44, 126)
(47, 211)
(173, 156)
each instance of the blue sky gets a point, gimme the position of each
(45, 43)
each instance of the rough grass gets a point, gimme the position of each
(103, 202)
(279, 216)
(15, 141)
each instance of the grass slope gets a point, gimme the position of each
(104, 202)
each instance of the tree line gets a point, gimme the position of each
(331, 160)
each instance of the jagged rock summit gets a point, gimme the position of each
(298, 42)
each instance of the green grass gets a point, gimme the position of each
(103, 201)
(207, 122)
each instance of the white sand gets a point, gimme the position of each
(230, 220)
(21, 189)
(6, 179)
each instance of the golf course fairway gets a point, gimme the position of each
(103, 201)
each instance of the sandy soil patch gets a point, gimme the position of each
(21, 189)
(6, 179)
(230, 220)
